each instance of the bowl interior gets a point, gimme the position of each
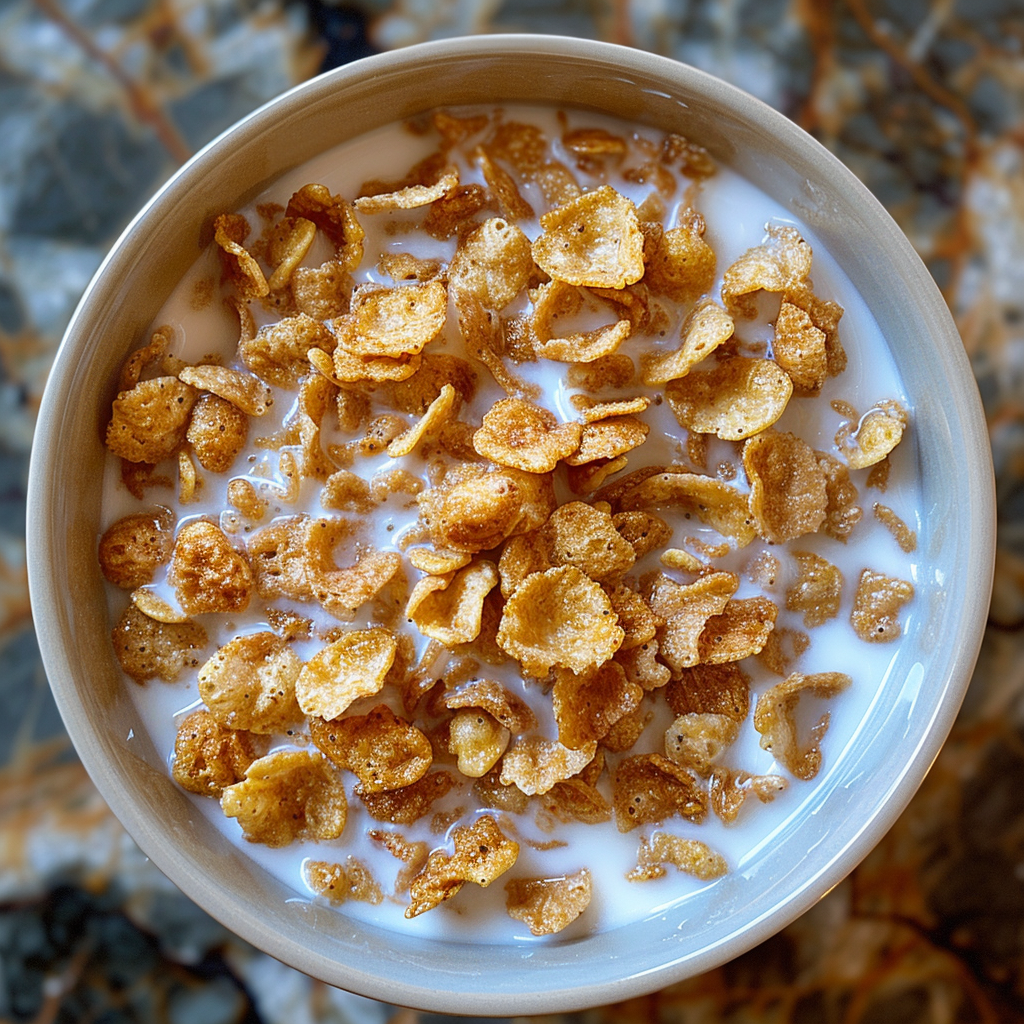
(863, 789)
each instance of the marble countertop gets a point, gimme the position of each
(924, 99)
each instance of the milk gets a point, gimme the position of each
(736, 214)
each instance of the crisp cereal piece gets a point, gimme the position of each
(208, 757)
(593, 241)
(645, 531)
(722, 689)
(146, 648)
(278, 352)
(410, 803)
(579, 534)
(522, 556)
(347, 492)
(594, 142)
(524, 146)
(714, 503)
(637, 620)
(775, 720)
(404, 266)
(611, 371)
(842, 513)
(738, 398)
(876, 606)
(902, 534)
(415, 395)
(783, 647)
(548, 905)
(493, 262)
(697, 740)
(478, 740)
(133, 367)
(781, 264)
(681, 560)
(817, 590)
(705, 329)
(410, 197)
(391, 322)
(134, 547)
(334, 217)
(342, 592)
(508, 709)
(535, 764)
(207, 572)
(278, 556)
(642, 667)
(490, 791)
(230, 230)
(250, 684)
(587, 706)
(559, 618)
(454, 213)
(525, 436)
(685, 609)
(825, 315)
(383, 750)
(148, 422)
(217, 432)
(353, 666)
(689, 855)
(482, 853)
(290, 240)
(395, 481)
(584, 346)
(592, 411)
(649, 788)
(608, 439)
(339, 883)
(477, 509)
(788, 495)
(586, 479)
(429, 425)
(799, 348)
(437, 562)
(879, 431)
(740, 631)
(502, 188)
(682, 266)
(730, 789)
(243, 390)
(150, 603)
(483, 335)
(288, 795)
(449, 608)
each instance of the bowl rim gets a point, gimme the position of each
(58, 659)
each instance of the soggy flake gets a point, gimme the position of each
(788, 495)
(133, 367)
(611, 371)
(417, 393)
(340, 883)
(490, 791)
(688, 855)
(410, 803)
(290, 240)
(148, 421)
(207, 572)
(842, 513)
(877, 604)
(135, 546)
(720, 690)
(817, 590)
(705, 329)
(404, 266)
(879, 431)
(278, 352)
(508, 709)
(455, 213)
(347, 492)
(449, 608)
(587, 706)
(730, 789)
(208, 757)
(782, 649)
(413, 854)
(781, 264)
(146, 648)
(649, 788)
(534, 764)
(230, 230)
(217, 432)
(502, 187)
(902, 534)
(436, 562)
(278, 556)
(354, 666)
(548, 905)
(645, 531)
(740, 631)
(391, 323)
(799, 348)
(697, 740)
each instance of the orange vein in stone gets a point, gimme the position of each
(141, 104)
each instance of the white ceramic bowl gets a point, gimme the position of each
(863, 789)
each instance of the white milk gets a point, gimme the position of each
(736, 214)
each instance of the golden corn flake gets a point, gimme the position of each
(697, 740)
(148, 422)
(842, 513)
(208, 757)
(611, 371)
(722, 689)
(783, 647)
(409, 197)
(574, 799)
(382, 750)
(334, 217)
(738, 398)
(482, 854)
(207, 572)
(799, 348)
(410, 803)
(879, 431)
(490, 791)
(781, 264)
(877, 604)
(347, 492)
(645, 531)
(688, 855)
(449, 608)
(285, 796)
(817, 590)
(278, 352)
(250, 684)
(525, 436)
(508, 709)
(534, 764)
(592, 411)
(321, 293)
(559, 618)
(740, 631)
(503, 188)
(642, 666)
(587, 706)
(478, 740)
(593, 241)
(391, 322)
(134, 547)
(705, 329)
(494, 262)
(903, 535)
(775, 720)
(354, 666)
(637, 620)
(548, 905)
(412, 854)
(683, 264)
(428, 426)
(579, 534)
(240, 266)
(339, 883)
(349, 368)
(290, 240)
(243, 390)
(608, 439)
(278, 556)
(217, 432)
(146, 648)
(729, 791)
(133, 367)
(788, 495)
(416, 394)
(649, 788)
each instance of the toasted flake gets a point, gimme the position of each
(783, 648)
(150, 603)
(417, 393)
(682, 265)
(903, 535)
(148, 421)
(775, 720)
(339, 883)
(383, 750)
(450, 608)
(334, 217)
(410, 803)
(521, 556)
(412, 854)
(429, 425)
(321, 292)
(290, 242)
(689, 855)
(410, 197)
(278, 352)
(637, 620)
(799, 348)
(721, 690)
(135, 546)
(478, 740)
(682, 560)
(504, 706)
(788, 494)
(611, 371)
(278, 556)
(354, 666)
(705, 329)
(525, 436)
(503, 188)
(207, 572)
(825, 316)
(391, 322)
(347, 492)
(587, 478)
(548, 905)
(579, 534)
(559, 618)
(208, 757)
(730, 789)
(494, 262)
(740, 631)
(288, 795)
(697, 740)
(608, 439)
(534, 764)
(229, 232)
(404, 266)
(146, 648)
(133, 367)
(217, 432)
(587, 706)
(781, 264)
(642, 666)
(592, 411)
(738, 398)
(250, 684)
(593, 240)
(251, 395)
(817, 590)
(649, 788)
(877, 604)
(879, 431)
(644, 530)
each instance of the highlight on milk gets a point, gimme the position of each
(508, 521)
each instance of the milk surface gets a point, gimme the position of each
(736, 214)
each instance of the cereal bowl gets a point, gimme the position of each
(868, 776)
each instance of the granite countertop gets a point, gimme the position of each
(924, 99)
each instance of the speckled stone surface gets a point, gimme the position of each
(923, 99)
